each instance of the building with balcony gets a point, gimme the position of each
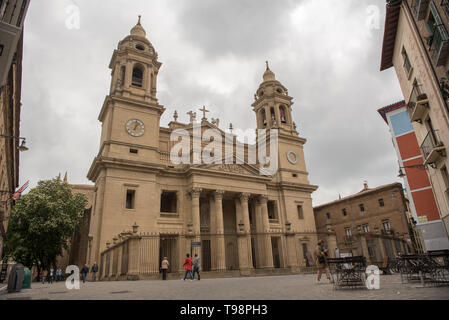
(423, 206)
(373, 222)
(416, 43)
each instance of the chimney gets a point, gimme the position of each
(365, 185)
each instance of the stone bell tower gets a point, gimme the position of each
(273, 108)
(135, 67)
(131, 113)
(273, 105)
(129, 142)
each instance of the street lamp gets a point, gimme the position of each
(22, 146)
(418, 166)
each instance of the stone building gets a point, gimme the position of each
(10, 107)
(416, 43)
(373, 223)
(146, 206)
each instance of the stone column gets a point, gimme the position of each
(244, 237)
(383, 251)
(265, 238)
(128, 77)
(195, 194)
(277, 112)
(213, 232)
(220, 254)
(133, 258)
(365, 251)
(331, 243)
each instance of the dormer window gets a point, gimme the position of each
(279, 90)
(137, 77)
(140, 47)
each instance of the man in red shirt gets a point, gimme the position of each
(188, 267)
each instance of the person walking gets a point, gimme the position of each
(84, 272)
(94, 271)
(58, 274)
(196, 266)
(42, 277)
(188, 267)
(321, 253)
(51, 275)
(164, 268)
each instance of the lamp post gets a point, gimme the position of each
(418, 166)
(22, 146)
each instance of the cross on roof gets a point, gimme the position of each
(204, 110)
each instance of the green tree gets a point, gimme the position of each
(42, 223)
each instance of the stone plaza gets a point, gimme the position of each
(288, 287)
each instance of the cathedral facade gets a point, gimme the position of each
(147, 206)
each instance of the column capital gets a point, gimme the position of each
(195, 192)
(218, 194)
(262, 199)
(244, 197)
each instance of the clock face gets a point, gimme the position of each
(135, 127)
(292, 157)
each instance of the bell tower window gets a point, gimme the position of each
(264, 117)
(137, 77)
(273, 115)
(283, 114)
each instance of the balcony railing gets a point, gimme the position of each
(418, 104)
(439, 38)
(439, 48)
(431, 147)
(416, 92)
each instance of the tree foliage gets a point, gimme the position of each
(42, 223)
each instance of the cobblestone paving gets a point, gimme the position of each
(291, 287)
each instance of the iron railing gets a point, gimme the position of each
(430, 142)
(415, 96)
(439, 39)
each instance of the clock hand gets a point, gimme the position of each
(135, 127)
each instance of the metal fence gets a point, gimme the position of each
(134, 255)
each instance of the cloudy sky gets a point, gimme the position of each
(326, 52)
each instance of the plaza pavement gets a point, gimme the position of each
(289, 287)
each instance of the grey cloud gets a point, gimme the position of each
(242, 27)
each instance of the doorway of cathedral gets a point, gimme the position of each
(168, 248)
(253, 251)
(230, 230)
(205, 255)
(276, 252)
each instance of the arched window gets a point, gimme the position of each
(137, 77)
(273, 114)
(264, 117)
(283, 113)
